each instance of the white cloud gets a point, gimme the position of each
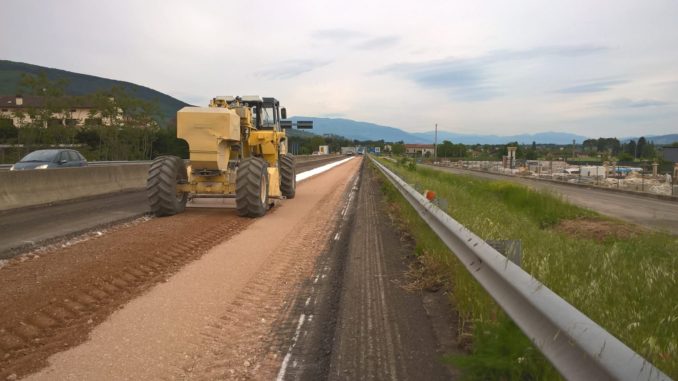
(593, 68)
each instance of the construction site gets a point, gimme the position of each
(338, 190)
(247, 262)
(610, 176)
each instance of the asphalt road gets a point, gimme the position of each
(26, 228)
(648, 212)
(23, 229)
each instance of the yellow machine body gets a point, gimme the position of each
(209, 132)
(218, 137)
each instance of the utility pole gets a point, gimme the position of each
(435, 144)
(573, 148)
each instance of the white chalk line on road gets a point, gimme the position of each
(315, 171)
(283, 368)
(322, 274)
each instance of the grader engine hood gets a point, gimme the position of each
(209, 131)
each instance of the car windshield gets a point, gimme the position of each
(43, 155)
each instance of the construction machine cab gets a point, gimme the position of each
(266, 111)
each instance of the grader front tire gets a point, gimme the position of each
(288, 175)
(251, 187)
(161, 186)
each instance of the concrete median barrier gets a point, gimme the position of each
(19, 189)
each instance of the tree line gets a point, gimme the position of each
(591, 150)
(629, 151)
(118, 126)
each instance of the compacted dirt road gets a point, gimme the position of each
(163, 318)
(384, 332)
(311, 291)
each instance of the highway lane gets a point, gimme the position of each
(23, 229)
(26, 228)
(652, 213)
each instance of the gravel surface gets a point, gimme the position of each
(311, 291)
(210, 320)
(51, 299)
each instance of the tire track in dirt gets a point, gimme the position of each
(50, 301)
(53, 297)
(205, 322)
(249, 341)
(378, 339)
(383, 332)
(305, 328)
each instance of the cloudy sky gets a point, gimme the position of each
(595, 68)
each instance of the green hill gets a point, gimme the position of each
(82, 84)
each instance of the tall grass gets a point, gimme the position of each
(628, 285)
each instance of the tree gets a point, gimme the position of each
(630, 148)
(398, 148)
(645, 149)
(625, 157)
(449, 149)
(42, 122)
(640, 146)
(8, 133)
(121, 127)
(590, 145)
(52, 100)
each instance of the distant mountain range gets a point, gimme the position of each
(82, 84)
(355, 130)
(539, 138)
(656, 139)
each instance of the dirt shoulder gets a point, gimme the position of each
(383, 331)
(354, 319)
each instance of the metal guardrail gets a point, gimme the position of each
(577, 347)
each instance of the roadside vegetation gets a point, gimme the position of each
(622, 276)
(135, 128)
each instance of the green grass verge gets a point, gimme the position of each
(628, 285)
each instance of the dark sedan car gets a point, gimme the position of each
(50, 158)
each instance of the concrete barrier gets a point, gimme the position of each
(19, 189)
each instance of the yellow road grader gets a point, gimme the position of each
(238, 148)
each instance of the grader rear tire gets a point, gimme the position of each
(251, 187)
(161, 186)
(288, 175)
